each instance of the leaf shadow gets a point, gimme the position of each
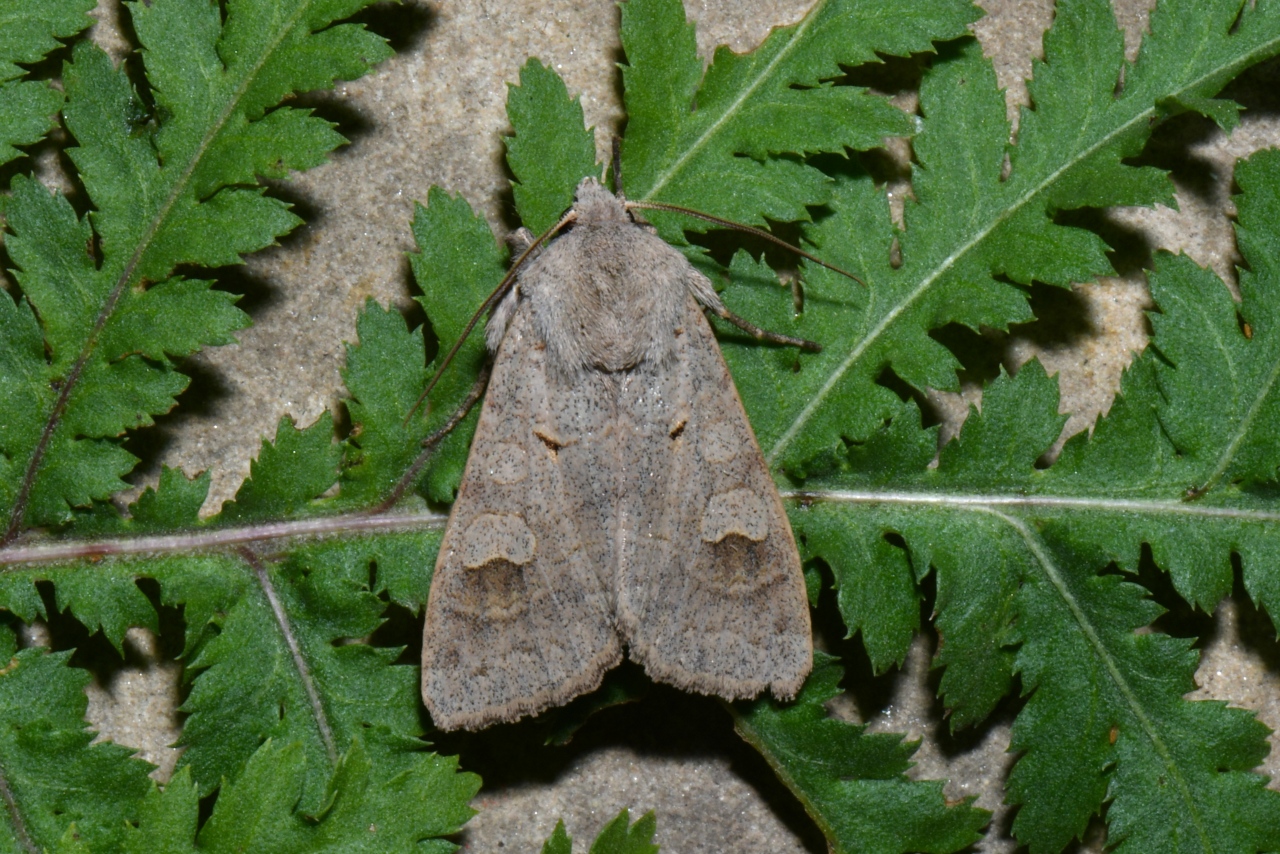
(403, 24)
(209, 389)
(353, 123)
(1257, 89)
(1257, 627)
(303, 205)
(1184, 144)
(666, 724)
(974, 753)
(204, 396)
(1130, 249)
(870, 693)
(892, 75)
(95, 653)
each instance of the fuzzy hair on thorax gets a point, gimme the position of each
(608, 294)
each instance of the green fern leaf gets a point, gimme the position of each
(174, 503)
(457, 256)
(770, 101)
(258, 811)
(171, 189)
(1015, 551)
(304, 728)
(384, 374)
(277, 666)
(28, 31)
(852, 783)
(619, 836)
(546, 119)
(54, 779)
(971, 232)
(288, 474)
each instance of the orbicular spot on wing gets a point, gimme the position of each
(720, 442)
(506, 463)
(739, 511)
(492, 537)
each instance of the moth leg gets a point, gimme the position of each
(500, 318)
(703, 291)
(520, 240)
(765, 335)
(476, 392)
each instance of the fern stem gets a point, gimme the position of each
(218, 538)
(1155, 507)
(55, 416)
(363, 522)
(410, 476)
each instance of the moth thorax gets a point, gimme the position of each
(604, 301)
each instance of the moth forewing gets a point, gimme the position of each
(614, 494)
(519, 617)
(711, 596)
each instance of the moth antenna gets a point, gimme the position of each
(761, 334)
(748, 229)
(498, 293)
(617, 167)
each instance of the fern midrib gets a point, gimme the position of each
(731, 111)
(126, 276)
(17, 822)
(361, 523)
(1228, 455)
(1113, 670)
(806, 414)
(983, 502)
(782, 768)
(301, 667)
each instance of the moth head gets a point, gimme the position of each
(595, 205)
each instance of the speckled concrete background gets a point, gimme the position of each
(434, 114)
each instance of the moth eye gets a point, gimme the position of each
(740, 512)
(491, 537)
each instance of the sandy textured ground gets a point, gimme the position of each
(434, 115)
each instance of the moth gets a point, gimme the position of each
(614, 497)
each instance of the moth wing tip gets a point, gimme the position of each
(785, 692)
(472, 720)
